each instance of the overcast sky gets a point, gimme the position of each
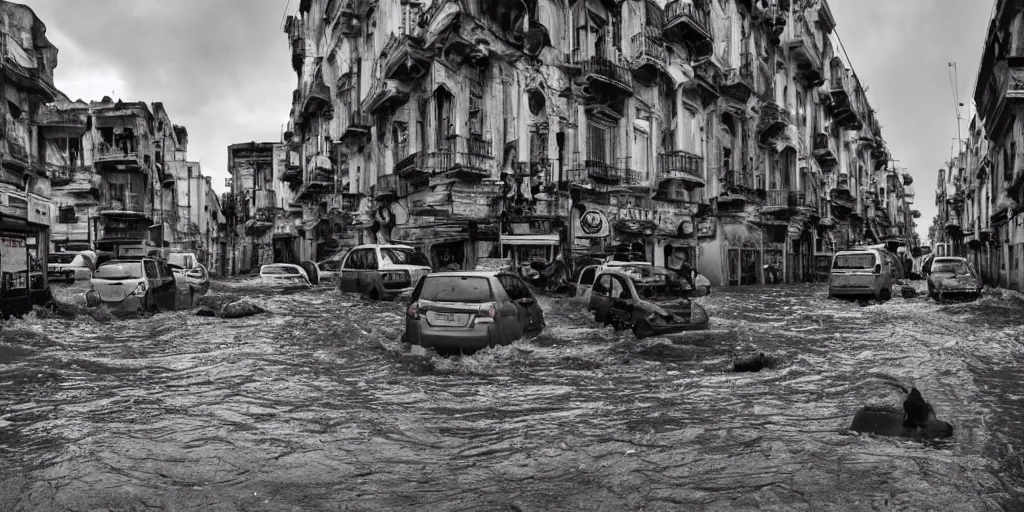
(222, 68)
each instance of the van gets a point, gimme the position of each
(861, 274)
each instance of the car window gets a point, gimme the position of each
(859, 261)
(151, 271)
(587, 277)
(355, 260)
(620, 289)
(442, 288)
(119, 270)
(603, 285)
(370, 259)
(62, 258)
(508, 285)
(402, 256)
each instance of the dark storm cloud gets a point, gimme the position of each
(900, 50)
(221, 67)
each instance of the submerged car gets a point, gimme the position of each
(141, 285)
(644, 273)
(469, 310)
(70, 266)
(861, 274)
(952, 278)
(382, 272)
(284, 275)
(648, 308)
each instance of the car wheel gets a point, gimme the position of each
(884, 295)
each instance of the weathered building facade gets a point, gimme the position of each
(731, 130)
(980, 193)
(119, 172)
(26, 83)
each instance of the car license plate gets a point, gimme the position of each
(446, 319)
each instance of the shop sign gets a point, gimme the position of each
(706, 227)
(591, 224)
(637, 220)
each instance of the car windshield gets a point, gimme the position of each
(951, 267)
(62, 258)
(860, 261)
(281, 271)
(119, 270)
(456, 289)
(401, 256)
(655, 292)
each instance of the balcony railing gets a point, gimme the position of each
(536, 167)
(743, 179)
(803, 35)
(125, 151)
(681, 164)
(594, 172)
(389, 185)
(785, 198)
(456, 153)
(61, 175)
(686, 13)
(648, 45)
(604, 70)
(131, 203)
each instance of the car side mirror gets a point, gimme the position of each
(526, 301)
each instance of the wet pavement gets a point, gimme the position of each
(318, 406)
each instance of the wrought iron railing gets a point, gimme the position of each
(679, 9)
(388, 185)
(648, 43)
(673, 163)
(536, 167)
(742, 178)
(123, 202)
(61, 174)
(596, 172)
(126, 148)
(606, 69)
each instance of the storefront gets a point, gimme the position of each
(24, 249)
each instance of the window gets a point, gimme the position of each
(476, 108)
(603, 285)
(119, 270)
(67, 215)
(587, 277)
(862, 261)
(512, 286)
(620, 289)
(151, 271)
(455, 289)
(691, 131)
(601, 145)
(642, 150)
(356, 260)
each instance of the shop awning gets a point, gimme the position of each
(530, 239)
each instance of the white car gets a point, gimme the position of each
(284, 275)
(70, 266)
(382, 272)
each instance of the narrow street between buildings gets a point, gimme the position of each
(317, 405)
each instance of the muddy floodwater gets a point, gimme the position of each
(318, 406)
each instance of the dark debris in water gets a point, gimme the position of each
(753, 363)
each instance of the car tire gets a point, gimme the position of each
(884, 295)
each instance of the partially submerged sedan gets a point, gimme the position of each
(952, 278)
(471, 310)
(649, 309)
(141, 285)
(284, 275)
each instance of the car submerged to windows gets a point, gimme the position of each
(952, 278)
(133, 285)
(649, 308)
(382, 271)
(284, 275)
(70, 266)
(469, 310)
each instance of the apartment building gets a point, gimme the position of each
(734, 131)
(980, 192)
(26, 82)
(258, 219)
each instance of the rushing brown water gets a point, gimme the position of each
(318, 406)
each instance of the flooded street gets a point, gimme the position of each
(318, 406)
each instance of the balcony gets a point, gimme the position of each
(124, 155)
(740, 84)
(595, 173)
(71, 123)
(807, 54)
(685, 23)
(167, 179)
(357, 132)
(291, 175)
(844, 203)
(783, 201)
(124, 205)
(673, 192)
(743, 179)
(605, 78)
(823, 151)
(320, 178)
(386, 95)
(1004, 87)
(648, 55)
(773, 121)
(389, 186)
(682, 166)
(844, 108)
(315, 97)
(404, 59)
(468, 158)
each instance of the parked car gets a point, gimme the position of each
(621, 300)
(197, 278)
(284, 275)
(469, 310)
(70, 266)
(382, 272)
(953, 278)
(142, 285)
(862, 274)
